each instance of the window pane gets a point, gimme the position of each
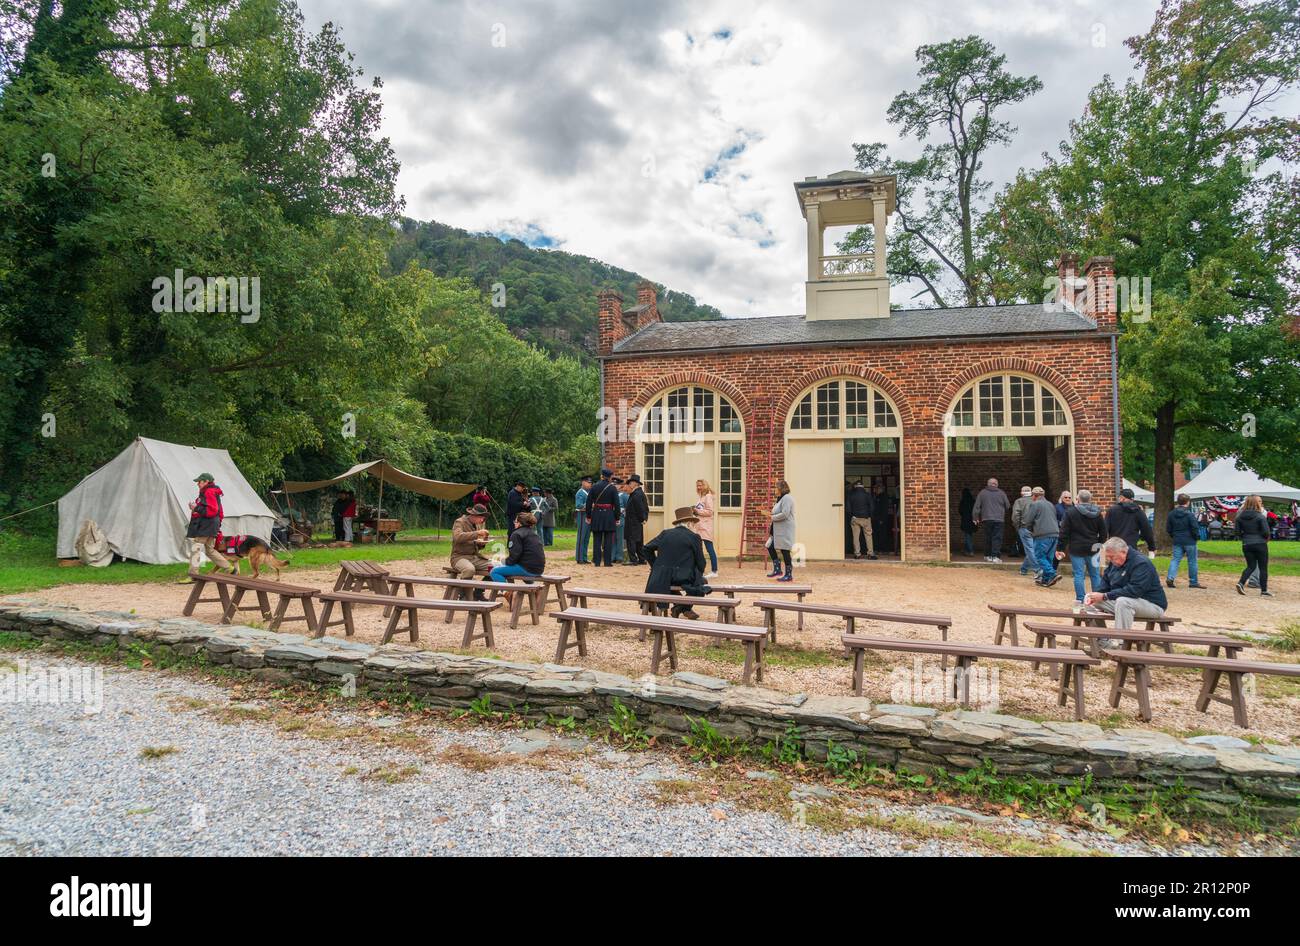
(703, 411)
(801, 419)
(828, 406)
(886, 445)
(963, 414)
(654, 419)
(857, 401)
(986, 444)
(1052, 412)
(728, 419)
(729, 479)
(653, 473)
(1010, 444)
(1022, 402)
(884, 413)
(678, 406)
(991, 407)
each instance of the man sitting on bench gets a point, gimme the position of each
(1130, 587)
(467, 540)
(677, 562)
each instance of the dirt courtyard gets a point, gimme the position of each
(811, 660)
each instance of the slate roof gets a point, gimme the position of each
(902, 324)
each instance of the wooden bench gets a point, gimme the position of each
(1045, 635)
(232, 588)
(664, 630)
(769, 589)
(1069, 686)
(549, 581)
(1212, 670)
(653, 603)
(473, 611)
(1089, 616)
(354, 575)
(850, 614)
(463, 589)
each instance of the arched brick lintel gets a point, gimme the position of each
(662, 384)
(1011, 364)
(843, 370)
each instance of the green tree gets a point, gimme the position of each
(964, 84)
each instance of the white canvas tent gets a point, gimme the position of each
(1140, 495)
(141, 499)
(1222, 478)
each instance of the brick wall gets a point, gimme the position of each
(922, 379)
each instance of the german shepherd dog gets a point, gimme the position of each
(259, 554)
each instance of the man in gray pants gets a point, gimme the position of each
(1130, 587)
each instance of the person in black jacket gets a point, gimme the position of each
(1184, 531)
(1128, 521)
(1083, 530)
(516, 502)
(1252, 526)
(603, 513)
(677, 561)
(525, 554)
(1130, 586)
(861, 505)
(637, 511)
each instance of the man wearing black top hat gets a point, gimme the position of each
(677, 561)
(603, 516)
(637, 512)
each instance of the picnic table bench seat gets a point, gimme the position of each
(232, 588)
(664, 631)
(1069, 686)
(1213, 669)
(474, 611)
(655, 603)
(549, 581)
(1007, 614)
(772, 588)
(1045, 635)
(361, 574)
(463, 589)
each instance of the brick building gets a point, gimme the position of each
(922, 401)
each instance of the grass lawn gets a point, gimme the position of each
(29, 563)
(1224, 558)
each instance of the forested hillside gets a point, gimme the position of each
(550, 295)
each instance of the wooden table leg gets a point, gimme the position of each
(769, 618)
(1238, 699)
(997, 634)
(264, 602)
(1209, 683)
(1015, 638)
(749, 663)
(413, 623)
(1078, 691)
(1144, 692)
(535, 604)
(1117, 683)
(655, 649)
(858, 655)
(309, 612)
(280, 609)
(349, 628)
(799, 627)
(580, 629)
(670, 640)
(326, 608)
(563, 645)
(759, 646)
(232, 607)
(391, 628)
(195, 593)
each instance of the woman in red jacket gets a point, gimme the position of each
(205, 523)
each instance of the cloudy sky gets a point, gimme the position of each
(663, 137)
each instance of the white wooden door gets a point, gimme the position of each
(815, 471)
(686, 464)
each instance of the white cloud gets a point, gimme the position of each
(596, 122)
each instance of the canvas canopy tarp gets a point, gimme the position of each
(386, 473)
(1140, 495)
(1222, 478)
(140, 499)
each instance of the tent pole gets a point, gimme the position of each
(379, 509)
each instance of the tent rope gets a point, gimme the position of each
(26, 511)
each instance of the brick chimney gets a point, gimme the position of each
(1067, 274)
(645, 294)
(609, 321)
(1101, 303)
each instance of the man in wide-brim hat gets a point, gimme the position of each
(677, 561)
(468, 536)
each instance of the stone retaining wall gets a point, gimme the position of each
(1222, 769)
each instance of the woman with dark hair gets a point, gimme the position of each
(781, 538)
(1252, 527)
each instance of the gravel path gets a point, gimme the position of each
(79, 783)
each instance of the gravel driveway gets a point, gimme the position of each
(163, 769)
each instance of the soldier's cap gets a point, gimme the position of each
(606, 471)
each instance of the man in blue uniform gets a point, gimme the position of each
(603, 514)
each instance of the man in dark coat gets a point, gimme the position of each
(638, 511)
(1128, 521)
(205, 522)
(603, 516)
(861, 505)
(516, 502)
(676, 558)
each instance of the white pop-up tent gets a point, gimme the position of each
(141, 497)
(1222, 478)
(1140, 495)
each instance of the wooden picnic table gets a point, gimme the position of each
(232, 588)
(464, 589)
(1213, 669)
(786, 588)
(655, 603)
(361, 574)
(474, 611)
(1094, 617)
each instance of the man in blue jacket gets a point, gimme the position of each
(1130, 586)
(1184, 530)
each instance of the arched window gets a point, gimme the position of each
(693, 415)
(845, 407)
(1006, 406)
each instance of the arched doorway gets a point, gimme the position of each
(690, 433)
(1012, 426)
(839, 432)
